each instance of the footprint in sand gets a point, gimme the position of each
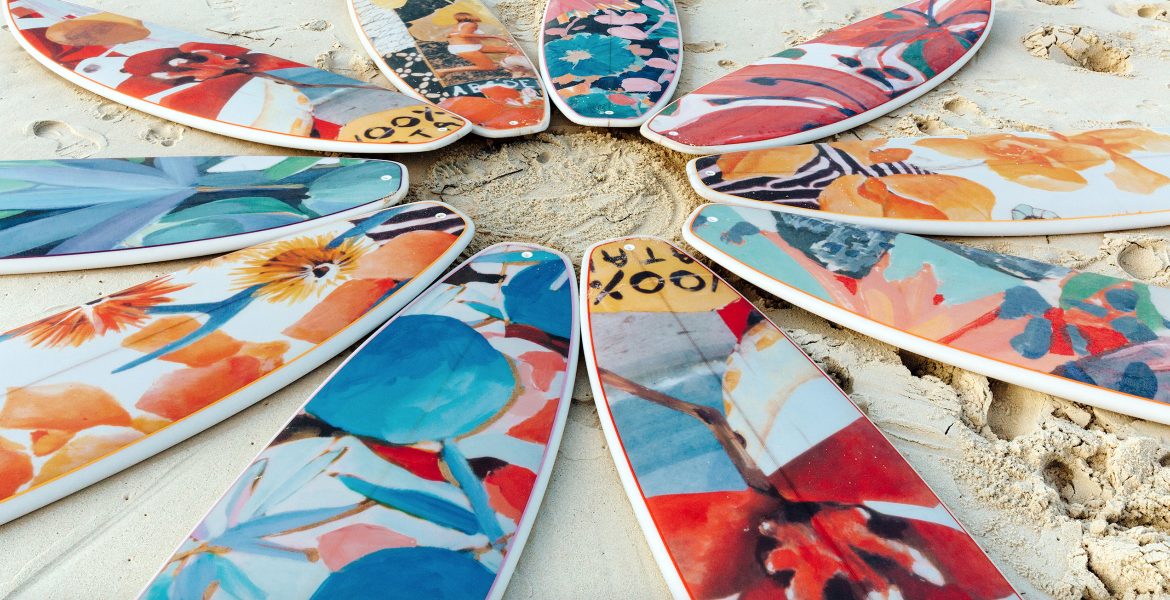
(166, 134)
(1078, 46)
(71, 142)
(1157, 11)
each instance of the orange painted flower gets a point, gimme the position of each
(113, 313)
(1128, 174)
(293, 270)
(940, 197)
(1042, 163)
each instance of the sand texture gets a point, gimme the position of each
(1071, 502)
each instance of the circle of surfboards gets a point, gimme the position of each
(407, 40)
(1090, 338)
(999, 184)
(459, 435)
(260, 98)
(827, 85)
(61, 215)
(638, 83)
(94, 389)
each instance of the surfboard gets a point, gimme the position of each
(1000, 184)
(99, 387)
(611, 64)
(60, 215)
(826, 85)
(1099, 340)
(415, 469)
(224, 88)
(459, 56)
(725, 435)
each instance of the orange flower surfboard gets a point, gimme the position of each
(224, 88)
(752, 474)
(457, 55)
(997, 184)
(92, 390)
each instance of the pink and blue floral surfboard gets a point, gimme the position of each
(224, 88)
(611, 64)
(457, 55)
(1086, 337)
(58, 215)
(417, 469)
(94, 389)
(995, 185)
(752, 474)
(829, 84)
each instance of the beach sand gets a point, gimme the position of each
(1069, 501)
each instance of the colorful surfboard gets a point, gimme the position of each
(1086, 337)
(752, 474)
(993, 185)
(829, 84)
(611, 64)
(59, 215)
(457, 55)
(223, 88)
(417, 469)
(94, 389)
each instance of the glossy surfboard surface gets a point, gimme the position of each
(416, 469)
(94, 389)
(829, 84)
(752, 474)
(60, 215)
(1086, 337)
(457, 55)
(986, 185)
(611, 64)
(224, 88)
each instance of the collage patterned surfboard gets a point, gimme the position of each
(724, 431)
(57, 215)
(611, 64)
(835, 82)
(997, 184)
(224, 88)
(94, 389)
(458, 55)
(415, 470)
(1090, 338)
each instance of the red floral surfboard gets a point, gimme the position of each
(829, 84)
(224, 88)
(752, 474)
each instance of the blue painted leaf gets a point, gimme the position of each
(279, 523)
(244, 205)
(401, 391)
(432, 573)
(335, 190)
(418, 504)
(271, 491)
(160, 588)
(234, 582)
(539, 296)
(290, 166)
(111, 232)
(194, 577)
(210, 228)
(490, 311)
(37, 233)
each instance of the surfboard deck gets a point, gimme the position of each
(1099, 340)
(611, 64)
(413, 470)
(723, 432)
(835, 82)
(499, 92)
(1000, 184)
(224, 88)
(97, 388)
(61, 215)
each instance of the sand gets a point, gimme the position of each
(1070, 501)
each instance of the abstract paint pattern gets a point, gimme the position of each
(827, 84)
(65, 207)
(416, 469)
(458, 55)
(1110, 333)
(224, 88)
(1006, 178)
(759, 477)
(611, 63)
(88, 382)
